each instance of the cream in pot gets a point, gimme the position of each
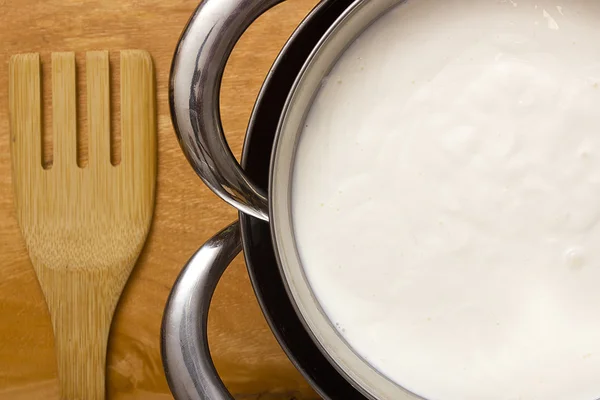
(446, 198)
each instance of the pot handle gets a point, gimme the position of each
(188, 365)
(196, 75)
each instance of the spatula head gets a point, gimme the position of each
(96, 217)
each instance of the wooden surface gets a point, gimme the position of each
(187, 213)
(85, 227)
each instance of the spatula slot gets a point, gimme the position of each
(46, 111)
(82, 112)
(115, 108)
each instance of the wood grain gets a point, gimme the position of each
(187, 213)
(84, 227)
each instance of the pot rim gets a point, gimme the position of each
(359, 372)
(247, 220)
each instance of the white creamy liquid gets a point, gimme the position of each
(446, 198)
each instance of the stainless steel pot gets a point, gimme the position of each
(195, 82)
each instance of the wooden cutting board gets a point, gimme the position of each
(187, 213)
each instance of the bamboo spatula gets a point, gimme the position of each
(84, 227)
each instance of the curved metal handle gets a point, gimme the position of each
(190, 371)
(196, 75)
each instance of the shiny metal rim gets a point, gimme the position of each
(358, 371)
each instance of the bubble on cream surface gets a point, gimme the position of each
(446, 198)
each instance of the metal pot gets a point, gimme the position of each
(195, 82)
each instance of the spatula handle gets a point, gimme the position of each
(81, 313)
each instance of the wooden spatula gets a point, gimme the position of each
(84, 227)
